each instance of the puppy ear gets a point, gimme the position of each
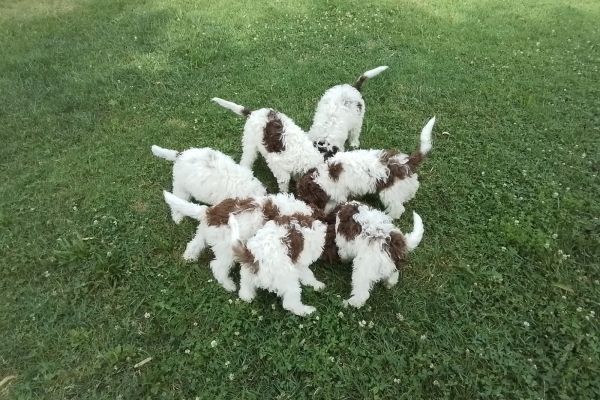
(335, 149)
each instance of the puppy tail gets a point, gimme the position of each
(425, 145)
(372, 73)
(167, 154)
(186, 208)
(236, 108)
(241, 253)
(414, 238)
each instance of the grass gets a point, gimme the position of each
(499, 300)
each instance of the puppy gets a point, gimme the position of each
(360, 172)
(376, 247)
(284, 146)
(277, 258)
(208, 176)
(213, 229)
(339, 116)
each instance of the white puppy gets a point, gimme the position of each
(339, 116)
(376, 247)
(208, 176)
(213, 229)
(284, 146)
(359, 172)
(277, 258)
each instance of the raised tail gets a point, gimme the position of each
(414, 238)
(186, 208)
(236, 108)
(425, 145)
(167, 154)
(368, 75)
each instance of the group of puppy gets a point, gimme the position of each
(276, 237)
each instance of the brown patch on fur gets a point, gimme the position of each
(270, 210)
(272, 136)
(303, 220)
(359, 82)
(335, 169)
(245, 257)
(330, 250)
(396, 169)
(294, 241)
(347, 226)
(219, 214)
(310, 191)
(395, 246)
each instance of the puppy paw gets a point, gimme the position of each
(229, 286)
(318, 286)
(352, 301)
(189, 256)
(306, 310)
(247, 297)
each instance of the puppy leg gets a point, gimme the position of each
(221, 265)
(363, 280)
(249, 152)
(353, 136)
(195, 246)
(392, 280)
(182, 194)
(283, 180)
(247, 288)
(290, 292)
(307, 278)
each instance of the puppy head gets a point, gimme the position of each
(309, 191)
(326, 149)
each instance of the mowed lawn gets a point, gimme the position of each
(501, 299)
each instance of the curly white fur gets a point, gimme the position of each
(208, 176)
(362, 171)
(218, 238)
(371, 262)
(339, 115)
(273, 268)
(298, 154)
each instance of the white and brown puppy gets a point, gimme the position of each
(208, 176)
(277, 258)
(283, 144)
(213, 229)
(356, 173)
(339, 116)
(376, 247)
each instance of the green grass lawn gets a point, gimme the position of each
(499, 300)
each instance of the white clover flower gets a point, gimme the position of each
(371, 324)
(547, 245)
(436, 383)
(301, 326)
(147, 315)
(187, 351)
(213, 344)
(526, 324)
(362, 323)
(260, 317)
(227, 363)
(396, 380)
(230, 301)
(46, 274)
(195, 323)
(231, 376)
(579, 309)
(554, 236)
(253, 312)
(400, 317)
(423, 336)
(555, 194)
(273, 306)
(236, 333)
(317, 318)
(332, 359)
(340, 315)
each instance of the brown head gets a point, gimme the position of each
(347, 225)
(310, 191)
(395, 246)
(273, 133)
(219, 213)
